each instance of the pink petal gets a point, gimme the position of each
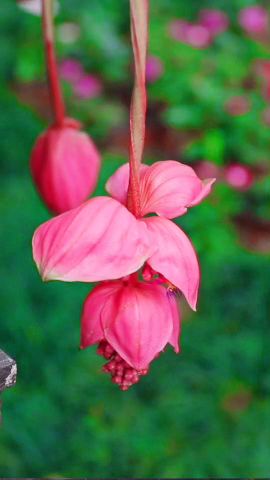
(205, 190)
(169, 187)
(99, 240)
(175, 257)
(138, 323)
(117, 185)
(91, 329)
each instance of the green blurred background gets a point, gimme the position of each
(206, 412)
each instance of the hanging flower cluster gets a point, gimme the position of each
(128, 242)
(64, 163)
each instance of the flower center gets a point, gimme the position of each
(122, 374)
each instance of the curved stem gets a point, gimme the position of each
(139, 36)
(57, 102)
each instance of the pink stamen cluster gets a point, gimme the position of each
(122, 374)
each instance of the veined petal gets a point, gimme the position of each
(138, 323)
(117, 185)
(169, 187)
(91, 329)
(175, 257)
(99, 240)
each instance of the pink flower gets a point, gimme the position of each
(198, 36)
(195, 35)
(71, 70)
(254, 19)
(122, 317)
(108, 239)
(178, 30)
(239, 176)
(207, 169)
(102, 240)
(238, 105)
(215, 21)
(154, 69)
(65, 166)
(87, 86)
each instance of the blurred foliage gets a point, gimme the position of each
(205, 413)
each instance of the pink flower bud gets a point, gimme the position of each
(254, 19)
(65, 166)
(154, 69)
(239, 176)
(215, 21)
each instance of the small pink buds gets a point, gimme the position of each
(65, 166)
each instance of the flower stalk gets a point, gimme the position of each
(139, 36)
(57, 102)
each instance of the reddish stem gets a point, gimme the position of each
(57, 102)
(139, 36)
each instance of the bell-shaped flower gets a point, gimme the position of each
(102, 240)
(133, 321)
(65, 166)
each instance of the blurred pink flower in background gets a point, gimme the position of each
(254, 19)
(215, 21)
(266, 116)
(198, 36)
(31, 6)
(178, 29)
(262, 69)
(239, 176)
(87, 86)
(205, 169)
(238, 105)
(192, 34)
(71, 70)
(34, 6)
(154, 68)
